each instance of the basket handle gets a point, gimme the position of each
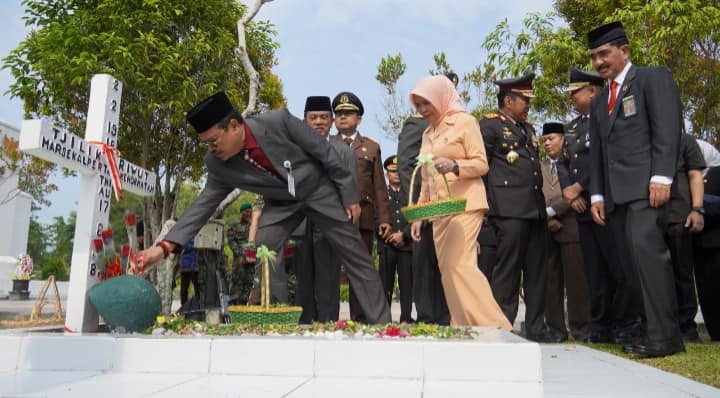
(424, 159)
(265, 257)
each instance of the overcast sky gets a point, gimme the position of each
(328, 46)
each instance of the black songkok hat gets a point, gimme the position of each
(390, 163)
(317, 103)
(209, 112)
(453, 78)
(521, 85)
(580, 78)
(553, 128)
(605, 34)
(348, 101)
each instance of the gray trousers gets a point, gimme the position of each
(344, 238)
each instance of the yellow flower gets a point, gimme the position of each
(160, 320)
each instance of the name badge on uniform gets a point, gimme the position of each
(629, 108)
(290, 179)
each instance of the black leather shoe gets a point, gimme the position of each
(624, 338)
(546, 337)
(598, 338)
(690, 336)
(649, 348)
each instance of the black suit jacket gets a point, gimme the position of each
(640, 139)
(322, 180)
(576, 165)
(514, 190)
(409, 142)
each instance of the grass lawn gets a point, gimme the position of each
(701, 362)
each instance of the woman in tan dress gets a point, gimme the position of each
(453, 138)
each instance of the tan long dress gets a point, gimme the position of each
(467, 291)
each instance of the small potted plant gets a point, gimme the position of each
(21, 278)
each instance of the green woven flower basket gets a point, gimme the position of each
(259, 315)
(436, 208)
(265, 314)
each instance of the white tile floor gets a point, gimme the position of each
(568, 371)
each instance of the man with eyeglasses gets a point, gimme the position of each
(298, 174)
(317, 264)
(374, 201)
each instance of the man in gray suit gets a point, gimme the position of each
(298, 173)
(635, 126)
(318, 267)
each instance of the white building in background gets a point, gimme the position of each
(14, 216)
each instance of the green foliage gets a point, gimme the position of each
(681, 35)
(389, 71)
(50, 246)
(538, 48)
(167, 54)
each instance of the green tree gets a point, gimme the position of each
(168, 55)
(397, 109)
(38, 241)
(684, 36)
(389, 71)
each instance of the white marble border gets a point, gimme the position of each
(494, 357)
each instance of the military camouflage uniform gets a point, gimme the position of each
(241, 275)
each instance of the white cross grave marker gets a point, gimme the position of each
(40, 138)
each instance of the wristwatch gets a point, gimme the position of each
(456, 168)
(699, 209)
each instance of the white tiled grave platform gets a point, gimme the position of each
(45, 365)
(494, 356)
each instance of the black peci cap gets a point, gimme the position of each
(317, 103)
(209, 112)
(553, 128)
(605, 34)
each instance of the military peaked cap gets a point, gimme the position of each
(348, 101)
(521, 85)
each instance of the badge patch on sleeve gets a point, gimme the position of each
(629, 108)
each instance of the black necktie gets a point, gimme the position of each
(348, 141)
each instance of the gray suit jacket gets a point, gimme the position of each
(348, 159)
(639, 140)
(322, 180)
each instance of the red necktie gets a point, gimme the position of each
(613, 96)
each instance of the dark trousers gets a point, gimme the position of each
(344, 238)
(394, 261)
(521, 253)
(650, 257)
(679, 241)
(185, 278)
(565, 276)
(318, 276)
(430, 304)
(615, 301)
(488, 250)
(356, 314)
(707, 277)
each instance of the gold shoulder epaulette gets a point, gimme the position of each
(491, 116)
(370, 139)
